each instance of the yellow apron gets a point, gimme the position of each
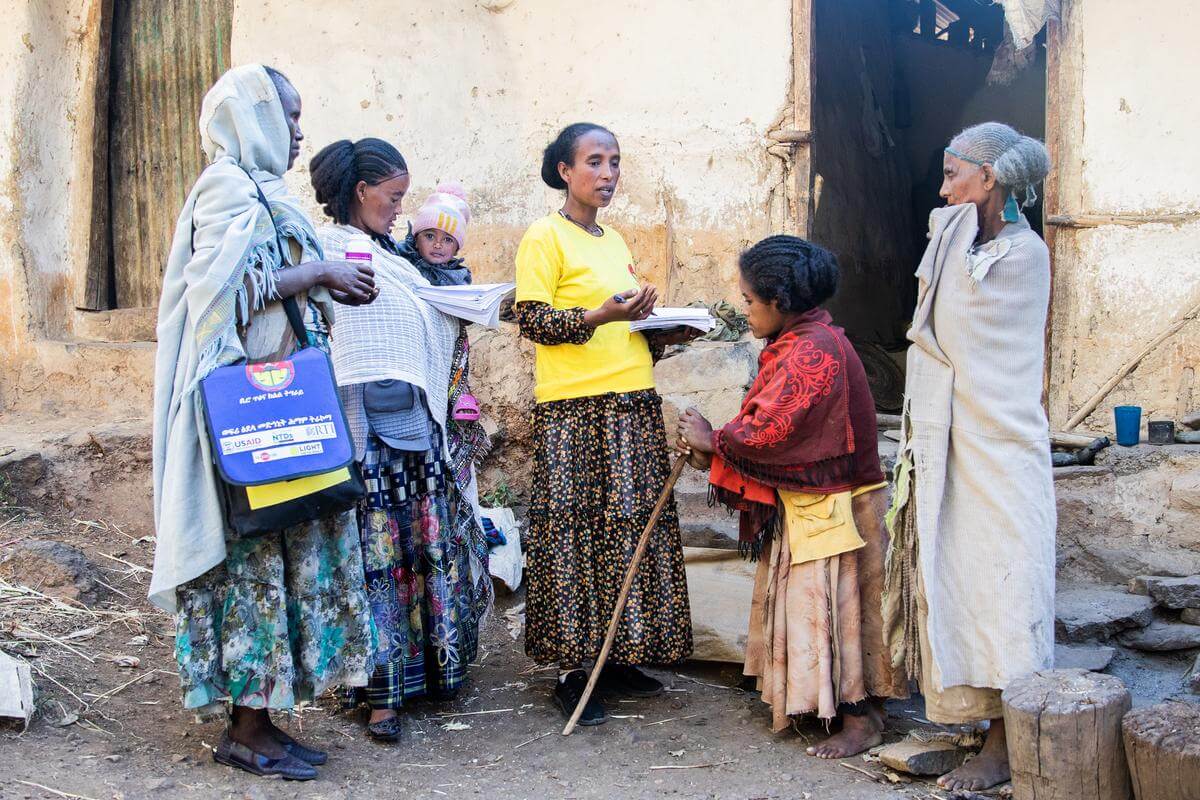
(821, 525)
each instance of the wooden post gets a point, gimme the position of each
(800, 135)
(1064, 736)
(1162, 744)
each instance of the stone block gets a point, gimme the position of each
(708, 367)
(1191, 616)
(722, 583)
(1083, 614)
(922, 758)
(1094, 658)
(1192, 679)
(1163, 637)
(1185, 493)
(712, 377)
(1175, 592)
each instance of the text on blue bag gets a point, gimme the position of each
(276, 421)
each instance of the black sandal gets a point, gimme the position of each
(238, 755)
(306, 754)
(386, 730)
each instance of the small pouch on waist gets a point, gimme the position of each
(819, 525)
(389, 396)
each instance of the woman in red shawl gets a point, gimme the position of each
(801, 464)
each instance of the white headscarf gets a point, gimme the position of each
(223, 235)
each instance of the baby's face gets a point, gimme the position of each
(436, 247)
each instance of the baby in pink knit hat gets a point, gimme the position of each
(439, 231)
(437, 234)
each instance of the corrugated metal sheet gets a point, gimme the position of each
(166, 53)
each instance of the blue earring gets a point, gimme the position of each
(1012, 212)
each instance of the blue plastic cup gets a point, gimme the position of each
(1129, 425)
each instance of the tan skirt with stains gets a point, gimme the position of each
(816, 630)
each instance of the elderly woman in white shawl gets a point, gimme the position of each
(423, 548)
(969, 603)
(270, 621)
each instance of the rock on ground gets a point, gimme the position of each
(1163, 637)
(1083, 614)
(922, 758)
(20, 471)
(1093, 658)
(53, 568)
(1174, 592)
(1192, 679)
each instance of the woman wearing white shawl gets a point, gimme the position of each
(969, 601)
(423, 548)
(265, 622)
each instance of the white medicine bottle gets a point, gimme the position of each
(358, 248)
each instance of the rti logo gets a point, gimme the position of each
(271, 376)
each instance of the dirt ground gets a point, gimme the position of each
(111, 732)
(109, 725)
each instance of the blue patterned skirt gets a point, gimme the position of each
(418, 573)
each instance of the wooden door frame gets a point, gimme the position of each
(1060, 77)
(96, 289)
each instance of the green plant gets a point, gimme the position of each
(501, 496)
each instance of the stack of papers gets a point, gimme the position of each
(662, 318)
(478, 302)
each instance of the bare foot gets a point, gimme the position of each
(858, 734)
(985, 770)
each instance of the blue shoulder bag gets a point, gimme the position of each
(279, 436)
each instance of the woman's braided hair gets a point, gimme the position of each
(796, 273)
(1020, 162)
(338, 168)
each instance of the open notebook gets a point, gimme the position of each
(474, 302)
(662, 318)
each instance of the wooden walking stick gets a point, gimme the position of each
(623, 597)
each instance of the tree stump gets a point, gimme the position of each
(1064, 736)
(1162, 744)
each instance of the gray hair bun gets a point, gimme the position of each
(1020, 162)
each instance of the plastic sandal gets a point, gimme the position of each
(305, 754)
(237, 755)
(466, 409)
(387, 730)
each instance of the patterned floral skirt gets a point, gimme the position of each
(284, 618)
(598, 470)
(418, 576)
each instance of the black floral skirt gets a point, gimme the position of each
(599, 468)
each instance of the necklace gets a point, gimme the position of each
(593, 229)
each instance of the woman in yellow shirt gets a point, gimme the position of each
(601, 458)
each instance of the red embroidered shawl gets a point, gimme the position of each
(806, 424)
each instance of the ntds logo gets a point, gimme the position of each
(271, 376)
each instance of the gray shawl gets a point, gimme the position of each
(223, 237)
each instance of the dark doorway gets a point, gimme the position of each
(893, 81)
(162, 57)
